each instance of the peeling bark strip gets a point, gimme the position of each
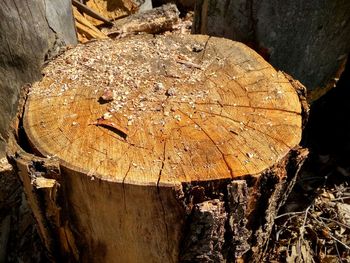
(40, 178)
(205, 237)
(250, 207)
(237, 198)
(208, 151)
(30, 32)
(270, 193)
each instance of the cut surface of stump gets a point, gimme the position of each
(131, 121)
(182, 110)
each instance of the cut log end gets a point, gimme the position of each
(153, 136)
(184, 109)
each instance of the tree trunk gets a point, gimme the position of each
(159, 149)
(295, 36)
(30, 31)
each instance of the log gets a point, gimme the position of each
(154, 21)
(159, 149)
(30, 33)
(295, 37)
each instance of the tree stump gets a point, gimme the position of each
(159, 149)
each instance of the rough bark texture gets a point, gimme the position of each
(308, 39)
(237, 196)
(30, 32)
(205, 236)
(40, 181)
(251, 205)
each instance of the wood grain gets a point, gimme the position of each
(235, 116)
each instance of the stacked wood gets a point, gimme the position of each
(295, 37)
(154, 21)
(85, 30)
(115, 9)
(159, 149)
(90, 12)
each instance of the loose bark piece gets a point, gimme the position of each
(154, 21)
(294, 36)
(237, 193)
(205, 236)
(40, 181)
(181, 133)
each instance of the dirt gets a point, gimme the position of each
(313, 226)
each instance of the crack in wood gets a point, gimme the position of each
(111, 127)
(161, 201)
(123, 185)
(241, 106)
(216, 146)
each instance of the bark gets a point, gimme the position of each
(205, 236)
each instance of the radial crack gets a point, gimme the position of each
(161, 202)
(123, 185)
(216, 146)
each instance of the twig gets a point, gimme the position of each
(333, 237)
(339, 223)
(340, 198)
(87, 10)
(188, 64)
(336, 248)
(284, 226)
(340, 242)
(302, 230)
(290, 213)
